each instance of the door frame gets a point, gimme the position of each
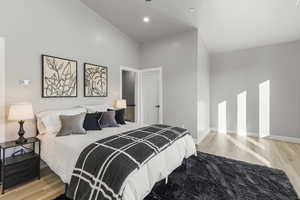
(139, 92)
(159, 69)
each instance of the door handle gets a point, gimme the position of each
(157, 106)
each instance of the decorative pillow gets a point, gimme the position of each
(40, 126)
(91, 121)
(107, 119)
(120, 116)
(52, 121)
(71, 125)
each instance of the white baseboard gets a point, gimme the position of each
(271, 137)
(284, 139)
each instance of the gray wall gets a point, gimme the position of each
(234, 72)
(128, 90)
(184, 97)
(63, 28)
(2, 90)
(203, 93)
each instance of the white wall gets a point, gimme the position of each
(235, 72)
(2, 89)
(203, 94)
(63, 28)
(177, 55)
(184, 60)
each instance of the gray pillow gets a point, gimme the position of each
(72, 125)
(107, 119)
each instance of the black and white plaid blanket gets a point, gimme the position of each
(103, 166)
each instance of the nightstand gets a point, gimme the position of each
(20, 168)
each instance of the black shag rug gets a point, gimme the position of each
(209, 177)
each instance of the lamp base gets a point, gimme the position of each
(21, 140)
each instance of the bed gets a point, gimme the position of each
(61, 154)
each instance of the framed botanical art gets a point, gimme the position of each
(95, 80)
(59, 77)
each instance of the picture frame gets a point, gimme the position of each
(95, 80)
(59, 77)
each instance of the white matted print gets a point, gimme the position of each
(59, 77)
(95, 80)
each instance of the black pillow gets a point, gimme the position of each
(120, 116)
(91, 121)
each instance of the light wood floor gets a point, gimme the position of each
(281, 155)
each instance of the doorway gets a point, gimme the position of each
(2, 89)
(142, 90)
(151, 96)
(129, 86)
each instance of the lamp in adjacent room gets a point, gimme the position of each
(121, 104)
(20, 113)
(120, 107)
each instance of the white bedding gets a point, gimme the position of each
(61, 154)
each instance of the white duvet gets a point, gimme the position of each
(61, 154)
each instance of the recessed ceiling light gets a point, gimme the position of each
(146, 19)
(298, 3)
(192, 10)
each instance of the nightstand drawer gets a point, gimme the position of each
(20, 177)
(23, 166)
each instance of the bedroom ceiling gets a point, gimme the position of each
(128, 16)
(225, 25)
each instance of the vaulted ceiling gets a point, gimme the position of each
(127, 15)
(224, 25)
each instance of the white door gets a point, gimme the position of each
(151, 96)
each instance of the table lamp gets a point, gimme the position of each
(121, 104)
(20, 113)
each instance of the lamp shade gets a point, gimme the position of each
(121, 103)
(18, 112)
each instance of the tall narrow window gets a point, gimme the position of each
(264, 109)
(242, 113)
(222, 119)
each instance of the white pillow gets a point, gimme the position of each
(40, 126)
(51, 119)
(96, 108)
